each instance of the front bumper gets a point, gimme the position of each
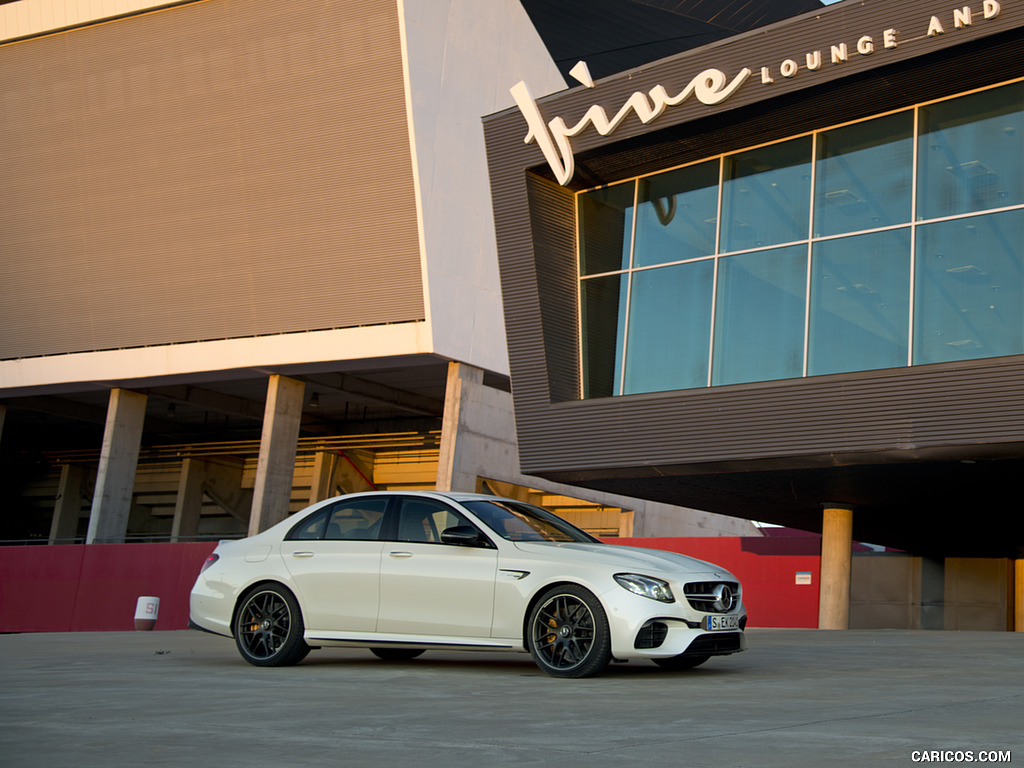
(645, 629)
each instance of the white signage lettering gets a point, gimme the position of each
(710, 87)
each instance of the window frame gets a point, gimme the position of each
(589, 352)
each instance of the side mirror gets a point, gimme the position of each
(463, 536)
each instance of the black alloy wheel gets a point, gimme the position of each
(568, 633)
(269, 628)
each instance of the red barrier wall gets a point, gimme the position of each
(766, 567)
(74, 588)
(92, 588)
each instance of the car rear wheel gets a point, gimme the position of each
(682, 661)
(396, 654)
(568, 633)
(269, 628)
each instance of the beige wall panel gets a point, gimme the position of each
(216, 170)
(882, 592)
(978, 593)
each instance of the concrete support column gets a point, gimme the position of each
(275, 469)
(321, 486)
(836, 563)
(222, 484)
(115, 479)
(68, 506)
(454, 473)
(1018, 596)
(189, 503)
(340, 472)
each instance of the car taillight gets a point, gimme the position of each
(209, 561)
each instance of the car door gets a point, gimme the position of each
(334, 560)
(428, 587)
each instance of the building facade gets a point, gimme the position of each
(247, 261)
(782, 277)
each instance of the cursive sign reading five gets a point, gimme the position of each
(710, 87)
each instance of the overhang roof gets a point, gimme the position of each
(616, 35)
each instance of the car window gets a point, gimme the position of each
(348, 520)
(517, 521)
(423, 520)
(356, 520)
(310, 528)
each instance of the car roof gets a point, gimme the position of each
(453, 495)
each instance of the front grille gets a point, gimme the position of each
(712, 596)
(651, 635)
(716, 644)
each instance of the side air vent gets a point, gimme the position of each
(651, 635)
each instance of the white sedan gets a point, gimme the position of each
(403, 572)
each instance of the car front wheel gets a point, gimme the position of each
(568, 633)
(269, 628)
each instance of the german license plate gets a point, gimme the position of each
(721, 623)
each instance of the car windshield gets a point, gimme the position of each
(516, 521)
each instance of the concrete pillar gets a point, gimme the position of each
(275, 469)
(337, 472)
(189, 503)
(68, 506)
(453, 470)
(115, 479)
(222, 484)
(1018, 596)
(321, 486)
(836, 563)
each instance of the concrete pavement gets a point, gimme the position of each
(796, 698)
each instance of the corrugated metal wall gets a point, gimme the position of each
(216, 170)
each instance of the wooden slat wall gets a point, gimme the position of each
(224, 169)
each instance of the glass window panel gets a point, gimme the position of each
(424, 520)
(603, 309)
(606, 228)
(358, 520)
(669, 328)
(766, 196)
(860, 303)
(759, 317)
(970, 288)
(310, 528)
(971, 153)
(863, 176)
(677, 215)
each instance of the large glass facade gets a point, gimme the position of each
(893, 241)
(759, 317)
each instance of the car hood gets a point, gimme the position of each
(636, 559)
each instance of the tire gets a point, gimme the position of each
(396, 654)
(268, 628)
(567, 633)
(683, 661)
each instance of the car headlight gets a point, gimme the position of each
(646, 586)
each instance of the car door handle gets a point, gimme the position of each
(302, 554)
(400, 554)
